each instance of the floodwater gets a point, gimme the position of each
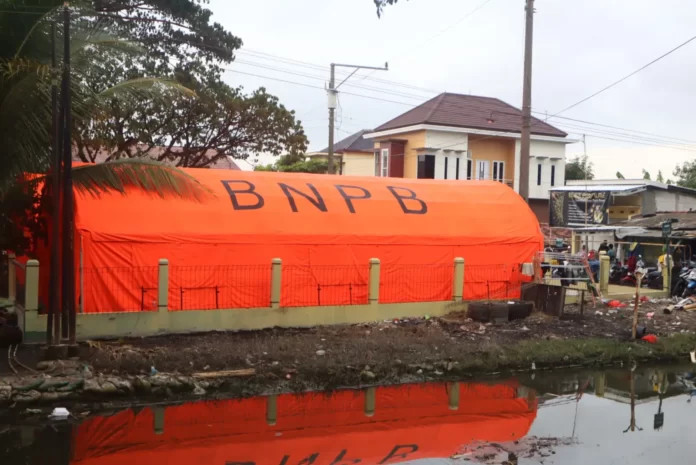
(639, 417)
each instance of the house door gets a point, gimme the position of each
(483, 169)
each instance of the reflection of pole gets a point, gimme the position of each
(53, 320)
(632, 426)
(638, 276)
(587, 213)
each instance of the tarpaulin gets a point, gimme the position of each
(408, 423)
(324, 228)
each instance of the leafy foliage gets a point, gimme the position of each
(646, 175)
(619, 175)
(296, 163)
(686, 174)
(579, 168)
(659, 177)
(380, 4)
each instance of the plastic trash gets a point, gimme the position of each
(153, 371)
(59, 413)
(650, 315)
(615, 304)
(533, 366)
(693, 356)
(650, 338)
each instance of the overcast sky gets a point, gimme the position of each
(579, 48)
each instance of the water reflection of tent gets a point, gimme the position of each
(383, 425)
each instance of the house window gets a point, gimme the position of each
(483, 170)
(553, 175)
(469, 168)
(457, 169)
(426, 166)
(385, 163)
(539, 174)
(377, 163)
(446, 163)
(498, 171)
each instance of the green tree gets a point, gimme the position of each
(579, 168)
(619, 175)
(659, 177)
(685, 174)
(295, 163)
(380, 4)
(669, 182)
(646, 175)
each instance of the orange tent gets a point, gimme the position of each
(409, 422)
(324, 228)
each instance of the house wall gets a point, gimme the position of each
(358, 164)
(412, 140)
(672, 201)
(494, 149)
(546, 154)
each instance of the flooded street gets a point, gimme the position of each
(638, 417)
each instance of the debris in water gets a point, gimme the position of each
(59, 413)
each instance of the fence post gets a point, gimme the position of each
(276, 280)
(604, 267)
(667, 275)
(373, 290)
(453, 396)
(370, 402)
(11, 278)
(458, 284)
(31, 288)
(163, 286)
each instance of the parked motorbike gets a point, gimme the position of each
(682, 281)
(617, 273)
(630, 278)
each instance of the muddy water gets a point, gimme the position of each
(641, 416)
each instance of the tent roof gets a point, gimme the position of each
(292, 208)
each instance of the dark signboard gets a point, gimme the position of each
(579, 208)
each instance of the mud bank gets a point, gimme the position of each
(280, 360)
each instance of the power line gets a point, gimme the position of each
(626, 77)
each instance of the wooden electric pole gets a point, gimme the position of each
(68, 259)
(333, 101)
(527, 102)
(53, 320)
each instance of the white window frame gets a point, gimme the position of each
(384, 163)
(470, 173)
(484, 175)
(495, 175)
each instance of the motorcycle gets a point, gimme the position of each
(617, 273)
(682, 281)
(690, 284)
(630, 278)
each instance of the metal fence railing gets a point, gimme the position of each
(118, 289)
(416, 283)
(319, 285)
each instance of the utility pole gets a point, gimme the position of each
(68, 287)
(53, 320)
(333, 101)
(527, 102)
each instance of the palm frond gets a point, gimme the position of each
(145, 88)
(138, 173)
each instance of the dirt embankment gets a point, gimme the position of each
(384, 352)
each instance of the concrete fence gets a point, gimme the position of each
(163, 320)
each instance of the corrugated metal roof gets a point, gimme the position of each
(469, 111)
(599, 188)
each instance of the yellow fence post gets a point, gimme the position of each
(11, 278)
(163, 286)
(276, 280)
(374, 280)
(31, 288)
(667, 275)
(604, 267)
(458, 285)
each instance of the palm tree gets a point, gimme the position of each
(25, 101)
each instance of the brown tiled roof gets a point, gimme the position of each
(354, 143)
(469, 111)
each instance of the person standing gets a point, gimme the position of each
(611, 253)
(603, 247)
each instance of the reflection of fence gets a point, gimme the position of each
(118, 289)
(416, 283)
(210, 287)
(310, 285)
